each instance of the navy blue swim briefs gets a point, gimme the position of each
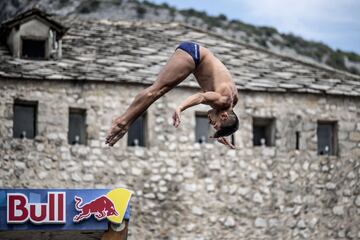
(193, 49)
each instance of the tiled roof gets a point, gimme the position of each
(95, 50)
(30, 14)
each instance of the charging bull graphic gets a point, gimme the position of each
(113, 206)
(101, 208)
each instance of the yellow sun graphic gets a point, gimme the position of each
(120, 197)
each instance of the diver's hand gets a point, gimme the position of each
(116, 132)
(226, 142)
(176, 117)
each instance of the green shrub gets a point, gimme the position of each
(209, 20)
(240, 26)
(140, 11)
(336, 60)
(150, 4)
(88, 6)
(222, 17)
(165, 5)
(353, 56)
(172, 12)
(117, 2)
(261, 42)
(268, 31)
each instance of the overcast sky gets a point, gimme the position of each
(334, 22)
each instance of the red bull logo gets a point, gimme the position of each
(101, 208)
(62, 209)
(20, 210)
(111, 206)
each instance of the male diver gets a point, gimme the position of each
(218, 91)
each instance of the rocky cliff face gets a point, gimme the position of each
(265, 37)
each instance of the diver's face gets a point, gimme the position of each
(217, 117)
(214, 119)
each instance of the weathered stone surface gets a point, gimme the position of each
(88, 178)
(258, 198)
(197, 211)
(150, 195)
(330, 186)
(293, 176)
(265, 193)
(260, 223)
(20, 165)
(357, 201)
(230, 222)
(136, 171)
(312, 223)
(110, 52)
(274, 222)
(43, 175)
(297, 200)
(338, 210)
(75, 177)
(347, 126)
(301, 224)
(354, 136)
(243, 191)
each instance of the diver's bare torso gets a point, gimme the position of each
(212, 75)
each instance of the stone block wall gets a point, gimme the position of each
(186, 190)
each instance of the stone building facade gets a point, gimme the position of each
(184, 189)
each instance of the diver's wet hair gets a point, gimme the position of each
(229, 126)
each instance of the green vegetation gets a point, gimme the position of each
(261, 35)
(150, 4)
(209, 20)
(316, 50)
(352, 56)
(261, 42)
(237, 25)
(140, 10)
(336, 59)
(117, 2)
(268, 31)
(63, 2)
(222, 17)
(172, 12)
(88, 6)
(171, 9)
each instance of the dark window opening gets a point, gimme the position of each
(202, 127)
(24, 119)
(297, 140)
(136, 133)
(264, 132)
(327, 138)
(77, 126)
(32, 48)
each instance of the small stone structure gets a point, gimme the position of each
(183, 189)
